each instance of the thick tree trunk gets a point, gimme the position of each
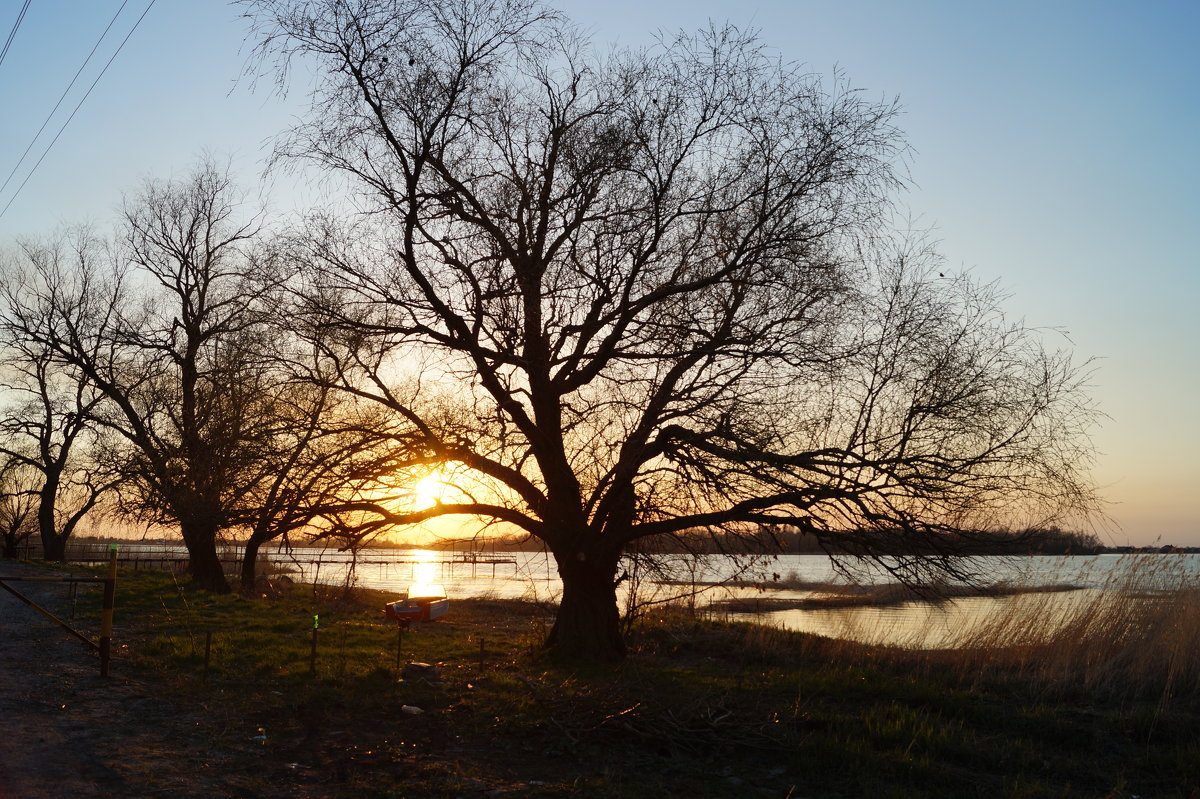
(250, 563)
(588, 624)
(54, 544)
(204, 566)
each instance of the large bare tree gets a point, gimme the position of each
(661, 286)
(167, 326)
(167, 341)
(47, 424)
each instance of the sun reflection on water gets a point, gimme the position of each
(425, 573)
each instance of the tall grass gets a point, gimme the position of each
(1138, 634)
(1135, 635)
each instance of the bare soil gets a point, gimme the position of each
(65, 731)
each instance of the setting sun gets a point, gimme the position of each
(429, 490)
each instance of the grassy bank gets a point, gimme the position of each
(701, 707)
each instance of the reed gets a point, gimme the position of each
(1137, 634)
(1134, 635)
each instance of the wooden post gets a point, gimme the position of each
(312, 661)
(106, 613)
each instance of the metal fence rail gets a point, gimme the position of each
(104, 645)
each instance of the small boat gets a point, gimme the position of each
(419, 603)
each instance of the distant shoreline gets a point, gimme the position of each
(510, 545)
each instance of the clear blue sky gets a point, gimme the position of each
(1056, 151)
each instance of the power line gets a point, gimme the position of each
(13, 33)
(62, 97)
(77, 107)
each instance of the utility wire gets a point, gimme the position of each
(77, 107)
(13, 33)
(62, 97)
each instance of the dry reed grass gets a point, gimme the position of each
(1137, 635)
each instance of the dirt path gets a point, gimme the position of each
(65, 731)
(52, 701)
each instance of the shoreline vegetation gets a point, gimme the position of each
(705, 706)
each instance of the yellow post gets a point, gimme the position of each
(106, 613)
(312, 662)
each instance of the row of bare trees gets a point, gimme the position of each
(604, 295)
(155, 372)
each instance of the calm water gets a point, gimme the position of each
(532, 576)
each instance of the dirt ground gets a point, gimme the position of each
(65, 731)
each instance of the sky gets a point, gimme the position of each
(1054, 151)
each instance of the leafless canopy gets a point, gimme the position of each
(163, 331)
(660, 281)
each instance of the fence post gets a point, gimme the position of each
(106, 614)
(312, 662)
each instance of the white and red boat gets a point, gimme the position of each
(419, 603)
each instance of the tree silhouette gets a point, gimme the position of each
(166, 327)
(18, 505)
(48, 431)
(651, 291)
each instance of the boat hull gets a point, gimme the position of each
(418, 609)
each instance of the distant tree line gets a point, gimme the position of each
(794, 541)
